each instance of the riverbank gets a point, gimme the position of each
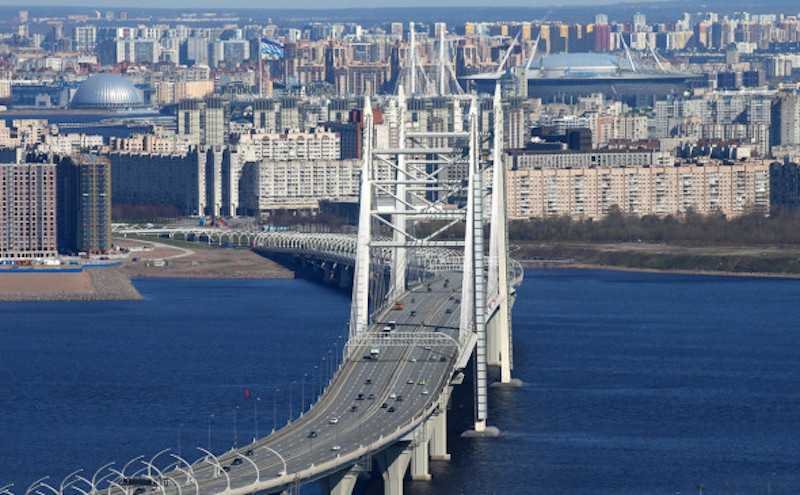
(146, 259)
(767, 261)
(96, 283)
(164, 258)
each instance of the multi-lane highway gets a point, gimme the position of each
(372, 401)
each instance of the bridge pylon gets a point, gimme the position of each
(438, 178)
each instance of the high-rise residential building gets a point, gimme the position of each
(601, 19)
(27, 210)
(203, 121)
(639, 22)
(84, 204)
(785, 128)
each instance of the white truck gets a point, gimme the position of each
(375, 352)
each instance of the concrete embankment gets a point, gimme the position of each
(90, 284)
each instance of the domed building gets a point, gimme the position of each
(107, 91)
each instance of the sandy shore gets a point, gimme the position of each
(189, 260)
(114, 283)
(92, 284)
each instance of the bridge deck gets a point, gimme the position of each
(416, 374)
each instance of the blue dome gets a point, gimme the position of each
(107, 91)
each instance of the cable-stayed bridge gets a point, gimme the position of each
(428, 306)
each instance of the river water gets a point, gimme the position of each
(633, 382)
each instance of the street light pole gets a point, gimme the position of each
(291, 386)
(209, 431)
(303, 394)
(235, 411)
(275, 409)
(314, 381)
(258, 399)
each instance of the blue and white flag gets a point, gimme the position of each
(271, 49)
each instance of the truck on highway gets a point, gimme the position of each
(375, 352)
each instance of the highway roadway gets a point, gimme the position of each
(367, 400)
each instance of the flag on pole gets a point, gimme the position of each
(271, 49)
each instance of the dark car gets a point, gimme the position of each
(384, 405)
(448, 310)
(354, 408)
(391, 409)
(312, 434)
(413, 313)
(226, 468)
(399, 398)
(249, 453)
(371, 397)
(236, 461)
(369, 381)
(360, 397)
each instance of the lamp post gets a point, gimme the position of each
(314, 380)
(180, 427)
(330, 365)
(255, 420)
(209, 431)
(303, 394)
(275, 409)
(235, 438)
(284, 472)
(291, 386)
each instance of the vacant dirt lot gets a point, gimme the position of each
(188, 260)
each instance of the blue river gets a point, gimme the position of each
(633, 382)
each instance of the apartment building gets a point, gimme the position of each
(27, 210)
(730, 188)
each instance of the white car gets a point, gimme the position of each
(336, 448)
(333, 421)
(425, 391)
(393, 396)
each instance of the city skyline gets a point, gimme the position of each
(300, 4)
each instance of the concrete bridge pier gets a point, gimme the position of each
(345, 276)
(393, 463)
(420, 455)
(438, 435)
(437, 428)
(340, 483)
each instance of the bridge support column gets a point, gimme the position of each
(438, 435)
(393, 463)
(420, 454)
(339, 483)
(344, 276)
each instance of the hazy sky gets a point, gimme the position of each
(302, 4)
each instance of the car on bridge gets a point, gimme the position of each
(333, 420)
(312, 434)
